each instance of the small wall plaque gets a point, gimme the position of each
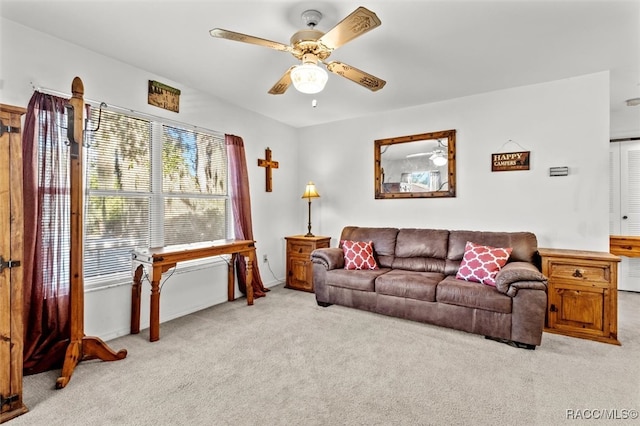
(163, 96)
(509, 161)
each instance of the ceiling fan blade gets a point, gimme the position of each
(357, 23)
(283, 84)
(354, 74)
(231, 35)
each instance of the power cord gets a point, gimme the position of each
(272, 274)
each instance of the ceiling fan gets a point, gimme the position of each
(438, 156)
(311, 46)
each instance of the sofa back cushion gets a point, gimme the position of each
(524, 246)
(384, 241)
(421, 249)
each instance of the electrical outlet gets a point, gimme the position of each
(265, 259)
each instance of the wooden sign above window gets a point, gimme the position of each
(164, 96)
(509, 161)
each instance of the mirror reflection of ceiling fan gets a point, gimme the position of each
(438, 155)
(311, 47)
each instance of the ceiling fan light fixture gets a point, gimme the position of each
(633, 102)
(439, 158)
(309, 78)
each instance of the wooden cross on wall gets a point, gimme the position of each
(268, 165)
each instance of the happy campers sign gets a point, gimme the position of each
(508, 161)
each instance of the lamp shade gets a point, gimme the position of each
(309, 78)
(310, 191)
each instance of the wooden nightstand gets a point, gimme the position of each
(582, 293)
(299, 267)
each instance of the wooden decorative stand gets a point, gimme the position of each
(80, 347)
(11, 254)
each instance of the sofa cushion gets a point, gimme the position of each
(419, 264)
(409, 284)
(422, 243)
(471, 295)
(384, 241)
(358, 255)
(363, 280)
(481, 264)
(421, 249)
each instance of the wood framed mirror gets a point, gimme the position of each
(416, 166)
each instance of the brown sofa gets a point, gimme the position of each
(416, 280)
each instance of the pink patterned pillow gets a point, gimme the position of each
(481, 264)
(358, 255)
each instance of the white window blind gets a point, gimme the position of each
(194, 185)
(149, 184)
(119, 191)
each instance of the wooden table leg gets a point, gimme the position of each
(249, 260)
(136, 289)
(154, 317)
(231, 283)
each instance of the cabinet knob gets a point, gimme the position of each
(299, 250)
(577, 273)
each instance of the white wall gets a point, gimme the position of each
(29, 56)
(562, 123)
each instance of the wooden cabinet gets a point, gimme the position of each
(11, 253)
(299, 267)
(582, 293)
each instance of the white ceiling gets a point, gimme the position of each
(427, 51)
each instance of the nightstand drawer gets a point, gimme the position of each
(301, 249)
(573, 271)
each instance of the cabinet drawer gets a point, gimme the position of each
(594, 274)
(300, 249)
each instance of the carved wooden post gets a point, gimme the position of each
(80, 346)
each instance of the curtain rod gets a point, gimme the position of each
(138, 114)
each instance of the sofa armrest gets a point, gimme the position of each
(330, 258)
(520, 275)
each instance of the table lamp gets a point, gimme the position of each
(309, 193)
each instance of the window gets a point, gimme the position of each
(194, 186)
(149, 184)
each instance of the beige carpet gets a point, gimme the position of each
(286, 361)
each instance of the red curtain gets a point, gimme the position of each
(241, 206)
(46, 234)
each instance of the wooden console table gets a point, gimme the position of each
(161, 259)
